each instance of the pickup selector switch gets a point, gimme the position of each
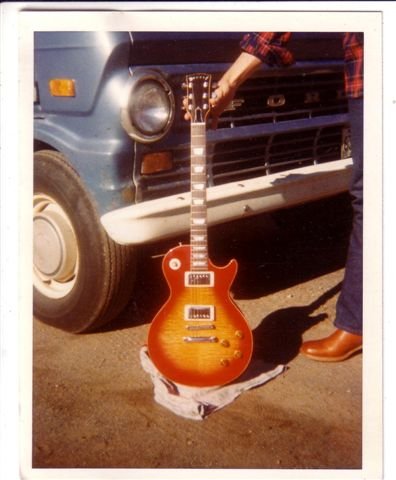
(174, 264)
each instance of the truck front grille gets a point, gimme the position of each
(239, 160)
(277, 123)
(283, 98)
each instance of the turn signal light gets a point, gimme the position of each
(62, 87)
(156, 162)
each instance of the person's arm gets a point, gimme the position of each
(240, 70)
(243, 67)
(258, 48)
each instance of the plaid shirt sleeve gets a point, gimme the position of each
(353, 52)
(269, 47)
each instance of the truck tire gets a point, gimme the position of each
(81, 278)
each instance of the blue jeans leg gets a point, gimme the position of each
(349, 310)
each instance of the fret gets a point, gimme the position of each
(199, 265)
(196, 233)
(198, 151)
(199, 256)
(198, 238)
(199, 221)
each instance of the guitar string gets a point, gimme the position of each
(198, 229)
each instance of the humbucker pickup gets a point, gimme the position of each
(199, 312)
(199, 279)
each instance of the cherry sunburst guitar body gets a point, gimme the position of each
(199, 337)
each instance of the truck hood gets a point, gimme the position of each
(213, 47)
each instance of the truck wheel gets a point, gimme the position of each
(81, 278)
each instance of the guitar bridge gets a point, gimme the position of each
(200, 327)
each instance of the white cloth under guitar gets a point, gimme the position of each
(197, 403)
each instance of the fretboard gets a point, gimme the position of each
(198, 217)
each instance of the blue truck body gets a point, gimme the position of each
(112, 152)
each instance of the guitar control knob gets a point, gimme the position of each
(225, 343)
(238, 354)
(239, 334)
(224, 362)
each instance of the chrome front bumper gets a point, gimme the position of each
(170, 216)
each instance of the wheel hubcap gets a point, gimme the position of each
(55, 252)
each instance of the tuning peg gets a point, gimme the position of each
(184, 86)
(214, 85)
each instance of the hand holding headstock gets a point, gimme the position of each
(198, 91)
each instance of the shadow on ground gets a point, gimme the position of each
(278, 337)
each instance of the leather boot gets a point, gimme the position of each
(340, 345)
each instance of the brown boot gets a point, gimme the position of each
(340, 345)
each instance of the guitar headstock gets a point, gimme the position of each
(198, 87)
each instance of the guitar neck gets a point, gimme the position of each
(198, 217)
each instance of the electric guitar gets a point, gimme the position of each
(199, 337)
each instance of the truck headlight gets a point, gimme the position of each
(149, 107)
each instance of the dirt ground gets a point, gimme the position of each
(93, 404)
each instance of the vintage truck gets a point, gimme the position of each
(112, 153)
